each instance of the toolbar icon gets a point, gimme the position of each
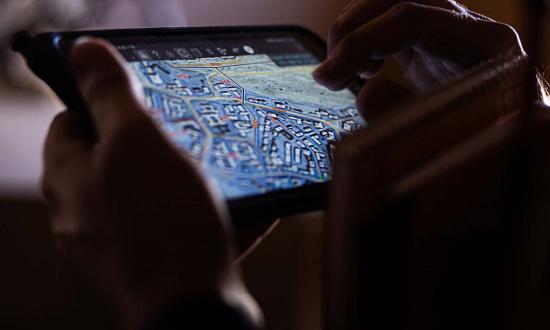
(155, 54)
(183, 53)
(196, 52)
(170, 54)
(248, 49)
(143, 55)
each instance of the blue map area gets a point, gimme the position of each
(253, 126)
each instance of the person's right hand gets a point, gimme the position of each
(432, 40)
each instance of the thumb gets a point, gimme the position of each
(110, 91)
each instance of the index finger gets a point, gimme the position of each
(431, 30)
(360, 12)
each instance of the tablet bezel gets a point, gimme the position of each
(270, 205)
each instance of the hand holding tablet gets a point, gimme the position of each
(240, 102)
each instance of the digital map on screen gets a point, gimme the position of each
(253, 125)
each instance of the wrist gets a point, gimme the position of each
(200, 313)
(165, 303)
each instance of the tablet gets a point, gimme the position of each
(240, 101)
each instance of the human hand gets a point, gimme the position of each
(432, 40)
(133, 212)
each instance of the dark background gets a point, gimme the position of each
(283, 273)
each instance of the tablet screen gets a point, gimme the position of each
(248, 111)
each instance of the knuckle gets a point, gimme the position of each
(50, 195)
(405, 9)
(507, 37)
(57, 160)
(507, 32)
(46, 188)
(338, 30)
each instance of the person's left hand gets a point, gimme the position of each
(135, 213)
